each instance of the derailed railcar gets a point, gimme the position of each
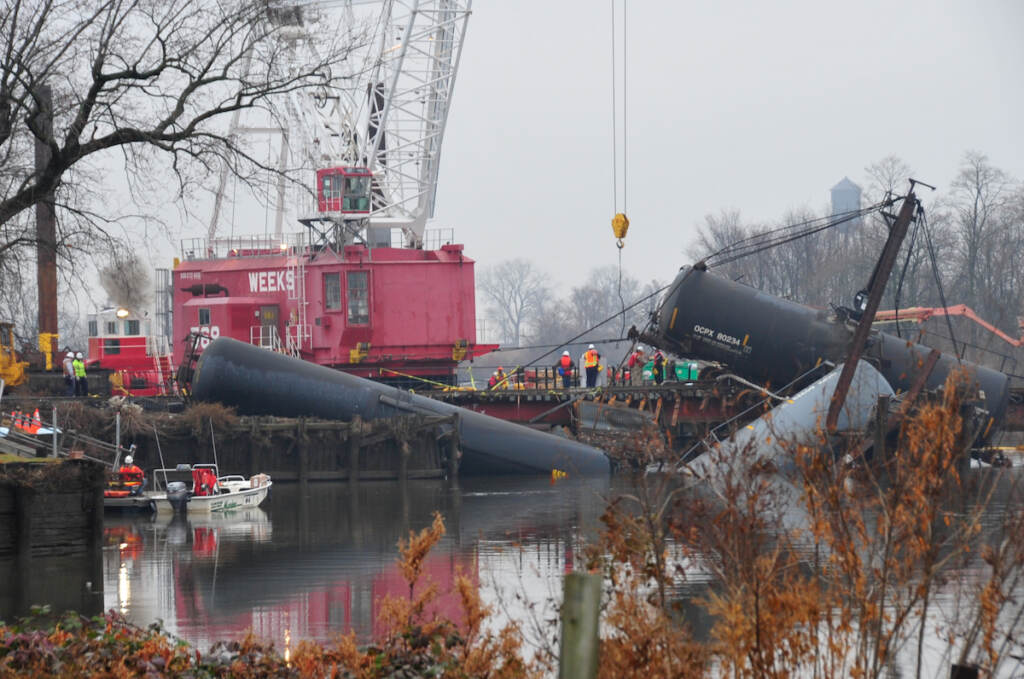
(774, 341)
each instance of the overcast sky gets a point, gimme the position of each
(758, 106)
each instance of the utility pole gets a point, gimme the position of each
(46, 235)
(886, 261)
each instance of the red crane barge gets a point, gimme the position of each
(334, 296)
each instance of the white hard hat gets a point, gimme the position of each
(71, 354)
(591, 346)
(128, 459)
(78, 355)
(565, 353)
(639, 347)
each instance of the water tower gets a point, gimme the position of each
(846, 198)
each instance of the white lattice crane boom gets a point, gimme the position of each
(385, 108)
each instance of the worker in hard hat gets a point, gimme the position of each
(636, 365)
(591, 363)
(493, 382)
(502, 378)
(81, 383)
(69, 374)
(658, 371)
(564, 368)
(131, 475)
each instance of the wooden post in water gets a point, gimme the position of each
(404, 451)
(254, 449)
(355, 438)
(303, 447)
(23, 500)
(454, 451)
(581, 608)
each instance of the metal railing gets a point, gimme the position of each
(243, 246)
(433, 239)
(265, 337)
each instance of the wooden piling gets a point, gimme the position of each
(454, 450)
(355, 438)
(403, 461)
(581, 608)
(24, 497)
(302, 445)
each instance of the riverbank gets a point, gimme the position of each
(289, 449)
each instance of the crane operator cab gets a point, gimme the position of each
(343, 189)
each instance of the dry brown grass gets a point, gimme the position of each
(198, 418)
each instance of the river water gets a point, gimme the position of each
(317, 558)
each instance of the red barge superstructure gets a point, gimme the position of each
(387, 313)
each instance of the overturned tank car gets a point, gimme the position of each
(261, 382)
(776, 342)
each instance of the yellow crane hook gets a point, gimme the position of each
(620, 225)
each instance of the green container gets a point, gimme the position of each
(686, 371)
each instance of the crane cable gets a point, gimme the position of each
(773, 238)
(620, 223)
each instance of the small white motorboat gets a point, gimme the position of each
(208, 492)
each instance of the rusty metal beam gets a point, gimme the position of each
(881, 276)
(46, 237)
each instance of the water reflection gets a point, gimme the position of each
(318, 560)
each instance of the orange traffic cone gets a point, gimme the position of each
(36, 425)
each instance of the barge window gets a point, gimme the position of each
(357, 194)
(332, 186)
(131, 327)
(358, 297)
(111, 327)
(93, 328)
(111, 347)
(332, 291)
(204, 317)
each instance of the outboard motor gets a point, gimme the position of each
(178, 496)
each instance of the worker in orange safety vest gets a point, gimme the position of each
(565, 367)
(591, 363)
(131, 476)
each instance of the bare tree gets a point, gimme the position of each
(978, 199)
(597, 305)
(515, 292)
(141, 77)
(147, 86)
